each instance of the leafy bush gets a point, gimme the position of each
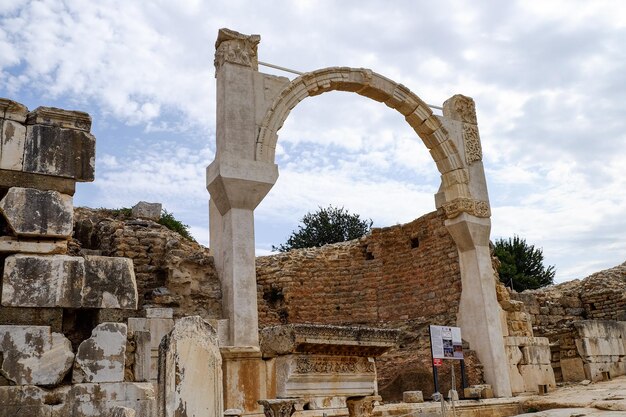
(167, 219)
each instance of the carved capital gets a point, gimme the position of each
(471, 140)
(362, 406)
(467, 205)
(236, 48)
(461, 108)
(278, 408)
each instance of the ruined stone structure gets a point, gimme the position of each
(251, 108)
(585, 323)
(53, 359)
(107, 313)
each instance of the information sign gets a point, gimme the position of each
(446, 343)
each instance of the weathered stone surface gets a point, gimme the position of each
(109, 283)
(52, 116)
(10, 244)
(190, 371)
(101, 357)
(324, 376)
(327, 339)
(253, 378)
(42, 182)
(33, 316)
(34, 355)
(119, 411)
(413, 397)
(12, 110)
(145, 210)
(42, 281)
(12, 139)
(157, 329)
(69, 281)
(79, 400)
(60, 152)
(159, 313)
(34, 213)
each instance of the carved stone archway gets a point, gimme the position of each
(252, 107)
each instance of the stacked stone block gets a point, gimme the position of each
(43, 154)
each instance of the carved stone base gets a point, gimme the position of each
(305, 376)
(247, 377)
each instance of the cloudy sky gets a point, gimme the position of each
(548, 78)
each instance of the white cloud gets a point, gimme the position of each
(547, 78)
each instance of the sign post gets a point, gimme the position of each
(445, 343)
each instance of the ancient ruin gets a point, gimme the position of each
(109, 313)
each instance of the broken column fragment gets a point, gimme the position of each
(33, 355)
(68, 281)
(34, 213)
(101, 357)
(190, 371)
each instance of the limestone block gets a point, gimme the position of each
(517, 381)
(42, 182)
(101, 357)
(600, 329)
(13, 137)
(52, 116)
(313, 338)
(599, 371)
(514, 354)
(600, 349)
(34, 213)
(32, 316)
(325, 376)
(96, 400)
(143, 357)
(59, 152)
(536, 375)
(572, 369)
(10, 244)
(80, 400)
(159, 313)
(12, 110)
(190, 371)
(33, 355)
(413, 397)
(109, 283)
(538, 355)
(144, 210)
(42, 281)
(158, 329)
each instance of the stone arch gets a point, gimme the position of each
(252, 107)
(368, 84)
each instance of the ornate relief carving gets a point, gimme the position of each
(461, 108)
(327, 339)
(473, 150)
(466, 205)
(278, 408)
(362, 407)
(236, 48)
(333, 365)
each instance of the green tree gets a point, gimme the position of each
(326, 225)
(521, 265)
